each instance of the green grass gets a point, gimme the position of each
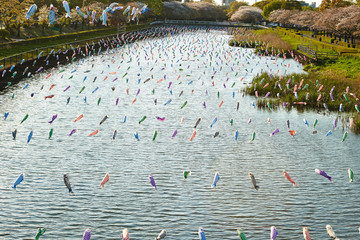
(350, 66)
(295, 39)
(31, 44)
(314, 84)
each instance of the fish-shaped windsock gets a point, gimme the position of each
(216, 179)
(127, 9)
(306, 233)
(143, 119)
(273, 233)
(344, 137)
(306, 122)
(18, 181)
(72, 132)
(241, 234)
(289, 178)
(152, 181)
(144, 9)
(50, 133)
(67, 9)
(201, 234)
(186, 174)
(53, 118)
(94, 133)
(39, 233)
(79, 12)
(161, 235)
(87, 234)
(185, 103)
(174, 134)
(136, 135)
(193, 135)
(253, 180)
(160, 118)
(292, 132)
(105, 180)
(79, 117)
(214, 121)
(315, 123)
(274, 132)
(31, 11)
(114, 135)
(330, 231)
(93, 17)
(328, 133)
(67, 183)
(323, 173)
(104, 119)
(351, 175)
(104, 18)
(30, 136)
(26, 117)
(51, 14)
(14, 134)
(197, 122)
(253, 136)
(125, 234)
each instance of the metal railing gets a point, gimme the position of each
(316, 54)
(34, 54)
(204, 23)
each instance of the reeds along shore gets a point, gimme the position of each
(323, 91)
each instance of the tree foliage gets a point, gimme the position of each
(192, 11)
(345, 20)
(234, 6)
(334, 3)
(272, 6)
(261, 4)
(247, 15)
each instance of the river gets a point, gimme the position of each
(202, 66)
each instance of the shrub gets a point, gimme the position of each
(4, 34)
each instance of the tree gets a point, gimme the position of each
(234, 6)
(9, 10)
(261, 4)
(272, 6)
(155, 5)
(281, 16)
(291, 4)
(207, 11)
(247, 15)
(334, 3)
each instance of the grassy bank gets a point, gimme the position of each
(297, 38)
(328, 84)
(319, 90)
(9, 49)
(264, 42)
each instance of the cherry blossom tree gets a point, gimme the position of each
(247, 15)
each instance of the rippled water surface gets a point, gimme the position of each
(128, 199)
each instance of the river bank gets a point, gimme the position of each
(329, 84)
(14, 74)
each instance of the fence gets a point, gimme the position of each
(313, 53)
(33, 54)
(204, 23)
